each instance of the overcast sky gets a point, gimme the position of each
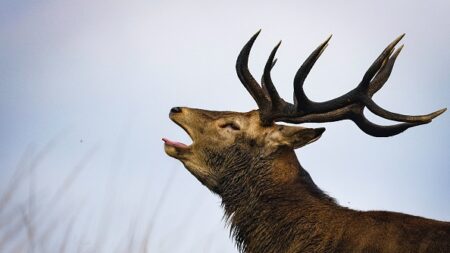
(86, 87)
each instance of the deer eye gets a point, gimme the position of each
(231, 125)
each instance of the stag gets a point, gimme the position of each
(270, 201)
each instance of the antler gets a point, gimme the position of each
(348, 106)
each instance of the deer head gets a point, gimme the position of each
(220, 137)
(232, 142)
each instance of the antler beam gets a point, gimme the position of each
(348, 106)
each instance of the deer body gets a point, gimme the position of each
(270, 201)
(291, 214)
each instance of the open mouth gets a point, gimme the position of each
(177, 144)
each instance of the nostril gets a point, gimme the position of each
(175, 109)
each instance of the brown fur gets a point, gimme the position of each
(271, 202)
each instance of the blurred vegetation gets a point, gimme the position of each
(32, 220)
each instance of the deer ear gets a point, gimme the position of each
(296, 137)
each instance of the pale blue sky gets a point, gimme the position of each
(102, 75)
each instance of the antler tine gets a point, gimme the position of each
(246, 77)
(378, 63)
(383, 75)
(376, 109)
(382, 131)
(380, 79)
(300, 98)
(262, 80)
(267, 80)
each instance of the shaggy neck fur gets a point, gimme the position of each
(273, 206)
(267, 196)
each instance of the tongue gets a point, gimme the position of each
(174, 143)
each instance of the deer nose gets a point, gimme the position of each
(175, 110)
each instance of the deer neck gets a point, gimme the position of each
(274, 200)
